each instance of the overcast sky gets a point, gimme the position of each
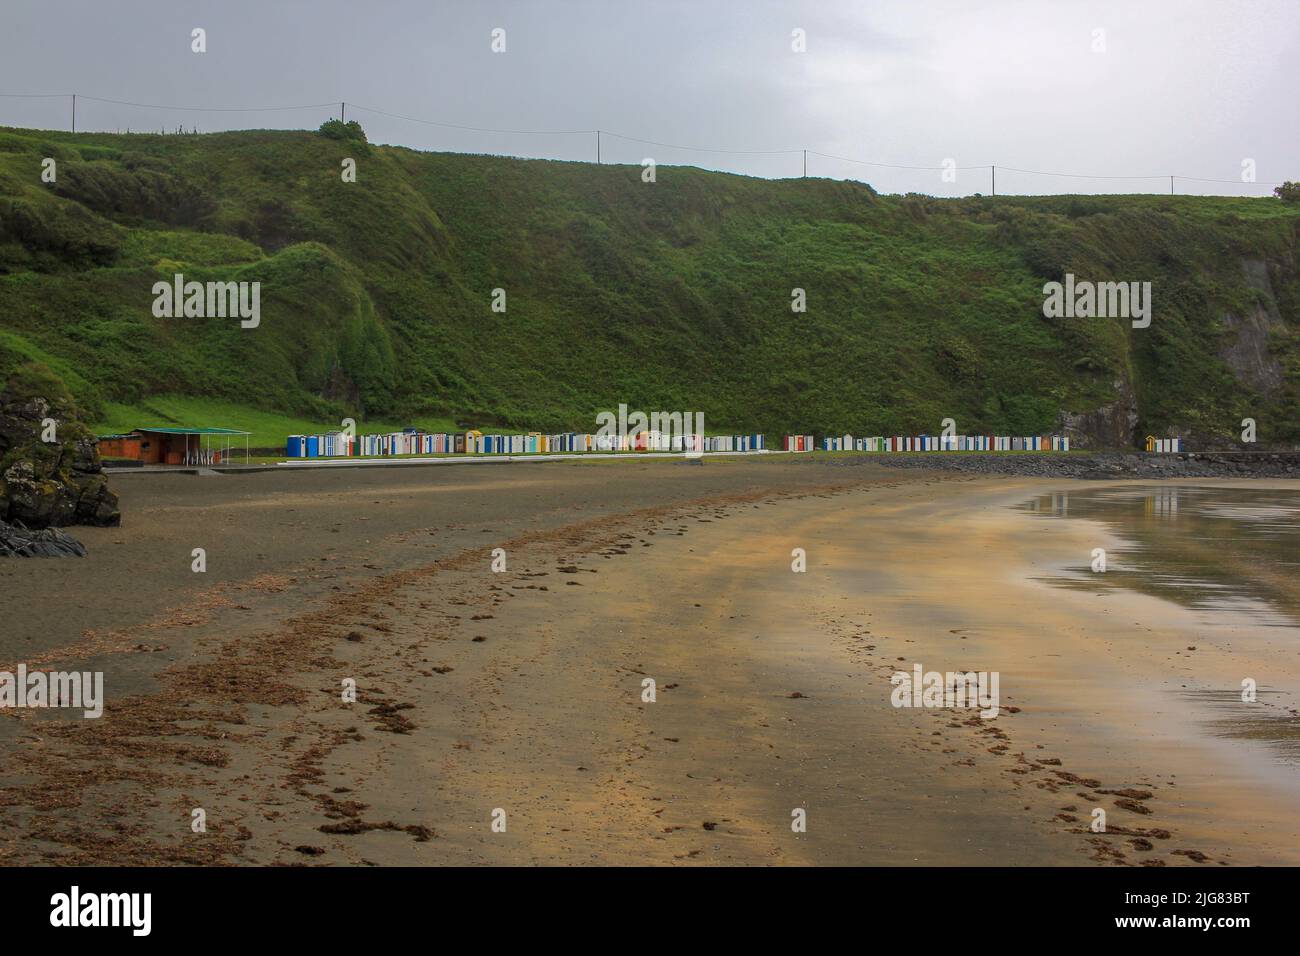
(1137, 87)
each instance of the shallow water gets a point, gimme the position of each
(1231, 554)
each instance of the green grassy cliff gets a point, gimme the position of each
(674, 295)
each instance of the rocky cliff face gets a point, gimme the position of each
(49, 483)
(1110, 426)
(1246, 350)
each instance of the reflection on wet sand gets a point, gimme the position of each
(1225, 551)
(1239, 719)
(1228, 553)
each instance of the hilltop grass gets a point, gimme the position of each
(675, 296)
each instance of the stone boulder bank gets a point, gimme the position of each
(1094, 465)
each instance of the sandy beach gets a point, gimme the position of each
(518, 697)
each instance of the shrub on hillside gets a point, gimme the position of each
(1288, 191)
(136, 192)
(337, 129)
(45, 237)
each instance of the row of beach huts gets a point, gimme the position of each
(338, 444)
(931, 443)
(1164, 444)
(412, 441)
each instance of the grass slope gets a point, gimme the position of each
(667, 296)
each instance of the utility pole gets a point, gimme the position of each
(597, 147)
(74, 112)
(1171, 185)
(805, 164)
(343, 112)
(995, 179)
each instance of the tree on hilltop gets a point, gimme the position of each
(337, 129)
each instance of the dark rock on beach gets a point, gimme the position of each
(48, 484)
(19, 542)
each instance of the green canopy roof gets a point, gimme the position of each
(183, 430)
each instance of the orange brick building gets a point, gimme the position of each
(173, 445)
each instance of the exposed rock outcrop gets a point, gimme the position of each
(1246, 350)
(1110, 426)
(55, 482)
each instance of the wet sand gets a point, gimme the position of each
(521, 691)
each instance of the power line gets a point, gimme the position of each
(209, 109)
(863, 162)
(475, 129)
(705, 149)
(1035, 172)
(1195, 179)
(599, 133)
